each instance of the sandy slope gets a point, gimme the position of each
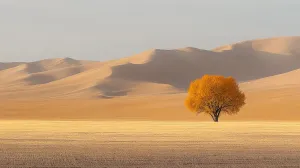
(278, 45)
(149, 144)
(289, 80)
(143, 86)
(166, 70)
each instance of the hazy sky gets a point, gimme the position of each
(109, 29)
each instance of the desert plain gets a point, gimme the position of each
(130, 112)
(149, 144)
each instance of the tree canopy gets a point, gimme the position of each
(215, 95)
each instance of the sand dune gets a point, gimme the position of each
(9, 65)
(279, 45)
(282, 81)
(246, 61)
(267, 69)
(41, 72)
(50, 64)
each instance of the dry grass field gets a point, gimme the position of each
(148, 144)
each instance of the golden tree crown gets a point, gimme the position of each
(213, 92)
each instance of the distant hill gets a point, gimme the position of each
(155, 71)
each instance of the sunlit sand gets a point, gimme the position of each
(148, 144)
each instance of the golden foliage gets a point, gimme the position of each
(215, 95)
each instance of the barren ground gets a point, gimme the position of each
(148, 144)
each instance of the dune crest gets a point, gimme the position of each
(277, 45)
(154, 71)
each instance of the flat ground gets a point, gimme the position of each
(268, 105)
(148, 144)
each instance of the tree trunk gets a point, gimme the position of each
(215, 118)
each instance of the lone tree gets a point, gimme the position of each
(215, 95)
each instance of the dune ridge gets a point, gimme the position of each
(154, 82)
(163, 70)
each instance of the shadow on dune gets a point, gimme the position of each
(110, 89)
(34, 68)
(177, 68)
(41, 78)
(4, 66)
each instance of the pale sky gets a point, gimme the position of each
(109, 29)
